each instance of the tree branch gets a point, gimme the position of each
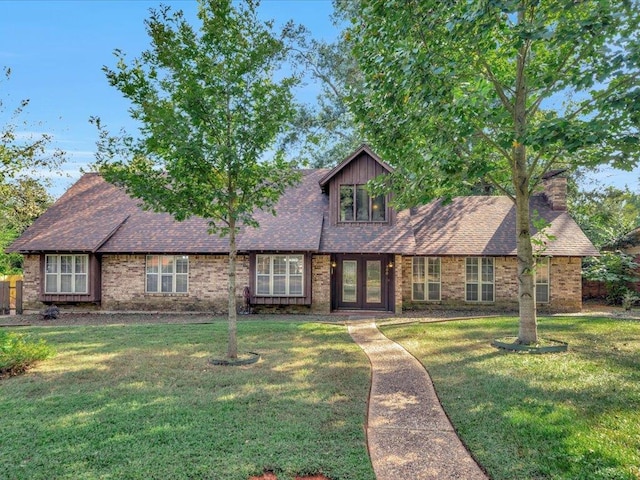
(496, 84)
(500, 187)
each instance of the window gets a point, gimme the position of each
(279, 275)
(357, 206)
(479, 280)
(66, 273)
(542, 280)
(167, 274)
(426, 279)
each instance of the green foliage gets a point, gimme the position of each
(630, 299)
(211, 104)
(561, 416)
(209, 110)
(605, 215)
(503, 91)
(616, 270)
(453, 89)
(18, 352)
(327, 131)
(21, 201)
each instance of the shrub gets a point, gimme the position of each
(616, 270)
(18, 352)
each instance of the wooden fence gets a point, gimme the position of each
(11, 294)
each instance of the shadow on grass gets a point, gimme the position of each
(569, 416)
(143, 402)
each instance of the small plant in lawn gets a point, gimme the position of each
(629, 299)
(18, 352)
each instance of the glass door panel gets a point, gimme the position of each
(349, 281)
(373, 285)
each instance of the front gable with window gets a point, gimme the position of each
(349, 199)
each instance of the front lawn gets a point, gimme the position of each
(573, 415)
(142, 402)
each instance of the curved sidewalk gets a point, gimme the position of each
(408, 433)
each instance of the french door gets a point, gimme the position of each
(362, 282)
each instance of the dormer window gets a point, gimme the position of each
(356, 205)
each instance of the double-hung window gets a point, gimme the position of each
(279, 275)
(542, 280)
(167, 274)
(479, 284)
(66, 274)
(357, 206)
(426, 279)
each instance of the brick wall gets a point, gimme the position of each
(565, 277)
(123, 284)
(565, 285)
(31, 285)
(321, 284)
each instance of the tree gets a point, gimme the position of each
(505, 91)
(22, 156)
(326, 132)
(209, 111)
(605, 214)
(21, 202)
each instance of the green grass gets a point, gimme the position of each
(142, 402)
(574, 415)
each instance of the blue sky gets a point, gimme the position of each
(56, 50)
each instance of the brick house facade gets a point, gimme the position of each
(330, 247)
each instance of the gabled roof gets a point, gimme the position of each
(480, 225)
(364, 148)
(95, 216)
(82, 220)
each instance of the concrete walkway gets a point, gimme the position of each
(408, 433)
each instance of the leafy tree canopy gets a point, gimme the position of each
(451, 88)
(503, 90)
(21, 202)
(326, 132)
(211, 104)
(605, 215)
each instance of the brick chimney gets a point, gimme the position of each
(555, 189)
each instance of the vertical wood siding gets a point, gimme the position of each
(358, 172)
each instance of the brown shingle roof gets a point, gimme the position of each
(94, 215)
(369, 237)
(81, 220)
(297, 225)
(481, 225)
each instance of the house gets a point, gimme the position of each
(331, 247)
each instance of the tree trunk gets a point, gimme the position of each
(528, 331)
(232, 347)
